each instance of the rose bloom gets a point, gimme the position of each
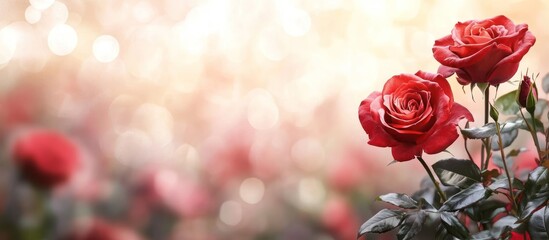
(486, 51)
(413, 114)
(45, 158)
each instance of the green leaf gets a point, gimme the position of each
(545, 83)
(412, 225)
(538, 226)
(466, 197)
(442, 234)
(503, 225)
(385, 220)
(537, 122)
(456, 172)
(536, 180)
(507, 138)
(399, 200)
(499, 183)
(494, 114)
(533, 204)
(507, 104)
(485, 131)
(453, 225)
(484, 211)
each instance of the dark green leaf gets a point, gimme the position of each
(442, 234)
(507, 104)
(485, 131)
(412, 225)
(506, 137)
(536, 180)
(538, 226)
(484, 211)
(385, 220)
(503, 225)
(545, 83)
(399, 200)
(467, 197)
(534, 202)
(453, 225)
(455, 172)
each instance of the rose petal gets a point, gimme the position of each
(446, 134)
(405, 152)
(507, 67)
(370, 122)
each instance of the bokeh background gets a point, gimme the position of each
(224, 119)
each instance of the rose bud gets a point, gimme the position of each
(527, 94)
(45, 159)
(412, 114)
(483, 51)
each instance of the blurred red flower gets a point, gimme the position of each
(45, 158)
(100, 230)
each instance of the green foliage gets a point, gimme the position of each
(538, 226)
(399, 200)
(458, 173)
(385, 220)
(507, 103)
(466, 197)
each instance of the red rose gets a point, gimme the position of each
(45, 158)
(413, 114)
(487, 51)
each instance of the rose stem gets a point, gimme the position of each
(500, 143)
(486, 108)
(533, 131)
(440, 192)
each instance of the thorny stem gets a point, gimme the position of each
(500, 143)
(435, 182)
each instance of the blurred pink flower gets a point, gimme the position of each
(183, 196)
(339, 218)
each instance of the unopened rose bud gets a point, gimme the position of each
(528, 94)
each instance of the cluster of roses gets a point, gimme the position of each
(47, 159)
(417, 113)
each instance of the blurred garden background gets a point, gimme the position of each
(218, 119)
